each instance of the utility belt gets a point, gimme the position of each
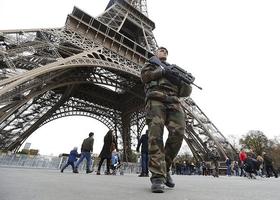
(151, 85)
(161, 86)
(161, 96)
(180, 91)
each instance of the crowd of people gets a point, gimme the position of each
(247, 165)
(109, 153)
(252, 165)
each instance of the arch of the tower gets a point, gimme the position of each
(108, 94)
(109, 117)
(101, 117)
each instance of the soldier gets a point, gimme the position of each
(215, 157)
(163, 107)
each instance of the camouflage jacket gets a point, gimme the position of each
(156, 86)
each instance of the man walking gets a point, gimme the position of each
(86, 149)
(144, 154)
(268, 164)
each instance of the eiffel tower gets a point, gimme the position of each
(90, 67)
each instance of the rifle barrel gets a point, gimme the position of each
(197, 86)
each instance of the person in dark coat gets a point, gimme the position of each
(268, 164)
(144, 154)
(109, 145)
(228, 164)
(72, 158)
(86, 149)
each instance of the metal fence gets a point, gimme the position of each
(28, 161)
(54, 162)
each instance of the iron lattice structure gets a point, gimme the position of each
(90, 67)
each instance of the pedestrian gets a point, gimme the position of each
(72, 158)
(163, 108)
(242, 158)
(236, 168)
(143, 142)
(268, 165)
(228, 164)
(86, 150)
(260, 171)
(109, 145)
(203, 166)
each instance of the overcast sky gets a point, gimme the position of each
(231, 47)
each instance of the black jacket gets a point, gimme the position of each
(144, 141)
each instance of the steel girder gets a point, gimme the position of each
(202, 136)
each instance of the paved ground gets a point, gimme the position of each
(41, 184)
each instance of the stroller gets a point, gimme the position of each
(115, 163)
(251, 166)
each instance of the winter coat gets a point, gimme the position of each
(106, 151)
(73, 156)
(267, 160)
(242, 156)
(144, 141)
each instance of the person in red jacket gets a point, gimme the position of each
(242, 158)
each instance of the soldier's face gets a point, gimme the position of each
(162, 54)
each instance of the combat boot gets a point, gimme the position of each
(157, 185)
(169, 181)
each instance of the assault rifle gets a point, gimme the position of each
(174, 73)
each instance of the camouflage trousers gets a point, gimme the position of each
(158, 115)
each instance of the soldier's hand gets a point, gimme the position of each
(167, 71)
(172, 76)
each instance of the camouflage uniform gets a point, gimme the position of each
(162, 108)
(215, 156)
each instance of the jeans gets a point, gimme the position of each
(228, 170)
(67, 164)
(144, 162)
(87, 156)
